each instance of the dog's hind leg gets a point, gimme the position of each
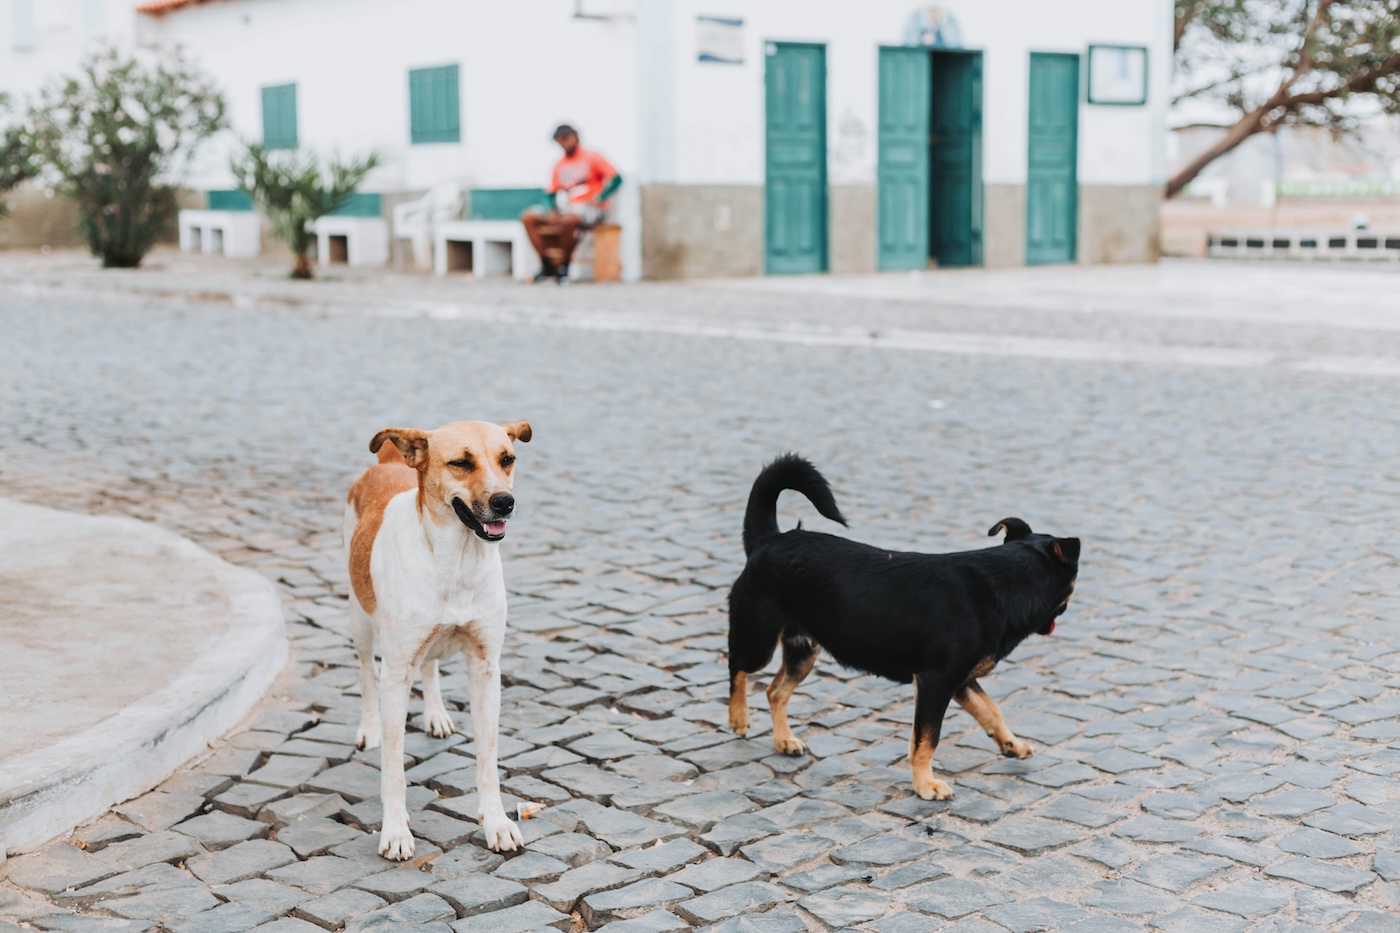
(362, 630)
(436, 720)
(931, 700)
(738, 700)
(753, 634)
(974, 699)
(799, 654)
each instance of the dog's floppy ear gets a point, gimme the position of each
(1015, 529)
(1066, 550)
(519, 431)
(411, 443)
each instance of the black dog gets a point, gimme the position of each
(940, 620)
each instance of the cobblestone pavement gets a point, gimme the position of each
(1216, 720)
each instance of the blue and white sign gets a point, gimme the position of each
(719, 39)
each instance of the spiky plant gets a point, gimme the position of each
(295, 188)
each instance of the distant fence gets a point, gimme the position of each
(1268, 243)
(1340, 188)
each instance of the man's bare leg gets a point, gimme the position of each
(568, 237)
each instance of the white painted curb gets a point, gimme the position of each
(49, 792)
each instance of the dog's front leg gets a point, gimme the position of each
(395, 841)
(931, 700)
(484, 672)
(984, 709)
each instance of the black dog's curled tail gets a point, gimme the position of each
(1015, 529)
(787, 472)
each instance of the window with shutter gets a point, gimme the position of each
(279, 111)
(435, 114)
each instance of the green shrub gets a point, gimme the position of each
(116, 139)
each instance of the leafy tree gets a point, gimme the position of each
(16, 162)
(116, 139)
(1276, 62)
(294, 189)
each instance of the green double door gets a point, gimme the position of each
(929, 190)
(795, 203)
(1052, 180)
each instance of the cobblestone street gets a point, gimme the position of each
(1216, 720)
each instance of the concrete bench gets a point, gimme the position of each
(354, 234)
(484, 248)
(491, 240)
(237, 234)
(354, 241)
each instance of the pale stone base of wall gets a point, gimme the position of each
(1004, 230)
(1120, 223)
(716, 231)
(702, 231)
(852, 235)
(37, 220)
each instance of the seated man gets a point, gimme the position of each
(588, 180)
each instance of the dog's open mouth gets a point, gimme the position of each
(487, 531)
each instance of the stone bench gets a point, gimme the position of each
(237, 234)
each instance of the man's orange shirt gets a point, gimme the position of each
(582, 175)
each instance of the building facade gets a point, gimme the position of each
(754, 136)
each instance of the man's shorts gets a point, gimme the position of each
(589, 215)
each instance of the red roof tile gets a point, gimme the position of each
(157, 7)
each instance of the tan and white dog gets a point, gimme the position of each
(421, 528)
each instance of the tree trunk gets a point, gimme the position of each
(1248, 125)
(302, 268)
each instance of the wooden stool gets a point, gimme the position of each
(607, 253)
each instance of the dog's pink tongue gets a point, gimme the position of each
(494, 528)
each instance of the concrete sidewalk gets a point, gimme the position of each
(1304, 317)
(127, 650)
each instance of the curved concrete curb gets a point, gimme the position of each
(48, 792)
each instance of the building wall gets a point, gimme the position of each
(719, 113)
(629, 77)
(719, 130)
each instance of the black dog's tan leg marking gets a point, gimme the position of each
(974, 699)
(798, 658)
(930, 703)
(739, 702)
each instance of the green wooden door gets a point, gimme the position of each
(902, 178)
(955, 175)
(795, 162)
(1052, 185)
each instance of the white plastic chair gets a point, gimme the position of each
(416, 220)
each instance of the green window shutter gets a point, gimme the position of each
(434, 109)
(279, 112)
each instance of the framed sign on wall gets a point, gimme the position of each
(1118, 75)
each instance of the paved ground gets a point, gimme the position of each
(1215, 719)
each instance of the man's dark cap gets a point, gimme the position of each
(564, 130)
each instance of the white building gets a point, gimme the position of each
(753, 135)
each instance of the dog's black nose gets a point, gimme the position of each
(503, 503)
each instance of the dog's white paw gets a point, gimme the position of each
(368, 736)
(502, 835)
(396, 842)
(438, 723)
